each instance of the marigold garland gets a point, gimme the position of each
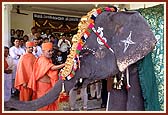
(84, 30)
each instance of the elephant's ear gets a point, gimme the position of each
(133, 40)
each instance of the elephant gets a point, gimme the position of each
(129, 39)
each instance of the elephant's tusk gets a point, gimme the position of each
(108, 99)
(127, 75)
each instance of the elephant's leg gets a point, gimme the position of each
(72, 98)
(128, 100)
(118, 99)
(135, 99)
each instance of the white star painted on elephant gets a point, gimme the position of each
(127, 42)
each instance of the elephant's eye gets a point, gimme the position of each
(87, 51)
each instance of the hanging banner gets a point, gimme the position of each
(56, 23)
(54, 17)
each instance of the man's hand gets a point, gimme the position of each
(35, 49)
(18, 56)
(24, 85)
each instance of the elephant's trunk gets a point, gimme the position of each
(50, 97)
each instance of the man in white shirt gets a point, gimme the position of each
(32, 34)
(15, 52)
(8, 75)
(37, 51)
(47, 34)
(64, 46)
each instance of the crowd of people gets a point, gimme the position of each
(32, 64)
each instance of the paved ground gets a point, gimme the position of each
(93, 105)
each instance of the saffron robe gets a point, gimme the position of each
(23, 73)
(41, 68)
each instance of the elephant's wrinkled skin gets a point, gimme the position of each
(117, 28)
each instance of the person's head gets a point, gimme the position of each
(47, 31)
(21, 32)
(51, 30)
(47, 49)
(37, 35)
(45, 40)
(16, 42)
(12, 32)
(25, 38)
(57, 35)
(39, 30)
(33, 30)
(29, 46)
(40, 41)
(63, 37)
(36, 42)
(6, 51)
(52, 38)
(59, 53)
(22, 42)
(18, 32)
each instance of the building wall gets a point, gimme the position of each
(142, 5)
(25, 22)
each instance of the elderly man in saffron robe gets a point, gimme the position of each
(24, 71)
(44, 76)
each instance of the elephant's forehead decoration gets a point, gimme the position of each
(85, 27)
(100, 32)
(100, 37)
